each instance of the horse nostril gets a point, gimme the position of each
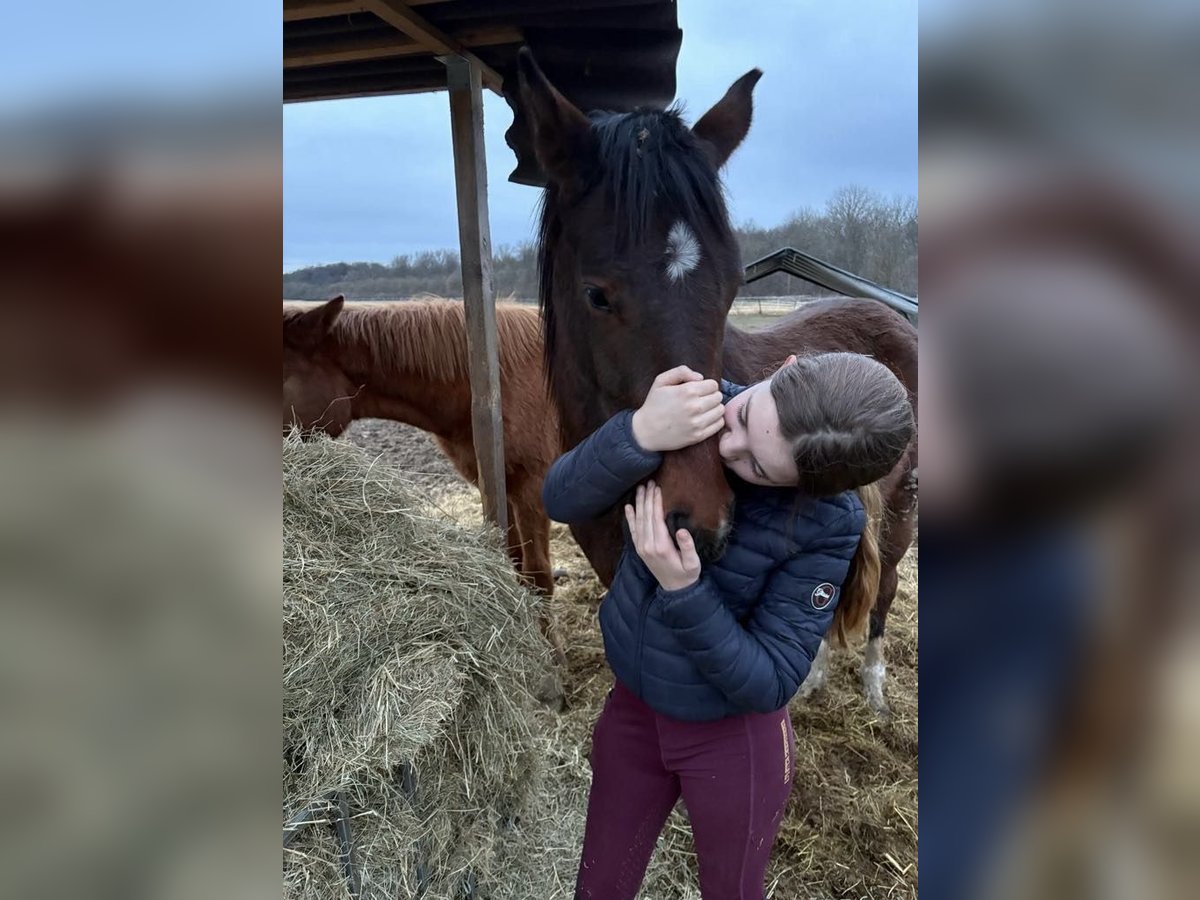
(676, 520)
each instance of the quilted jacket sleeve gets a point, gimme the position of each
(729, 390)
(760, 663)
(592, 477)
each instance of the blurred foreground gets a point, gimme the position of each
(1060, 283)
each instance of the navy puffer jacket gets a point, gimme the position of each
(740, 639)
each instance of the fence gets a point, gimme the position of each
(768, 306)
(742, 306)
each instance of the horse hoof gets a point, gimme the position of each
(876, 700)
(560, 573)
(815, 680)
(810, 687)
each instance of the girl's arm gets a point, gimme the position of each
(680, 409)
(593, 476)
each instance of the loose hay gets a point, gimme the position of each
(409, 647)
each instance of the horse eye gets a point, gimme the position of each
(596, 297)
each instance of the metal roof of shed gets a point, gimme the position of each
(602, 54)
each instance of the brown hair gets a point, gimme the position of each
(849, 421)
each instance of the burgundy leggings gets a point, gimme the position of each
(734, 775)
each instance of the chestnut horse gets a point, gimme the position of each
(408, 361)
(638, 269)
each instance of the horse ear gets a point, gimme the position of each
(725, 126)
(562, 135)
(307, 330)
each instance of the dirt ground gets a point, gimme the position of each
(409, 449)
(850, 830)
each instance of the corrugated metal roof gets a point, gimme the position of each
(602, 54)
(827, 275)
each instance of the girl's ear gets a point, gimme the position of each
(787, 362)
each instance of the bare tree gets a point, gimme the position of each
(859, 230)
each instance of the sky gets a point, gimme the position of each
(370, 178)
(81, 51)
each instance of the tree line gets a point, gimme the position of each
(859, 230)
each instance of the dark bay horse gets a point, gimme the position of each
(408, 361)
(638, 269)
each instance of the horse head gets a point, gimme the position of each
(638, 268)
(317, 393)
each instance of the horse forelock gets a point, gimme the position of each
(650, 166)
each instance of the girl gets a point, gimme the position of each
(706, 658)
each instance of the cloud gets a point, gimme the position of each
(371, 178)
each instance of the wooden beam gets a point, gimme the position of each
(475, 243)
(358, 88)
(356, 49)
(350, 50)
(401, 17)
(299, 10)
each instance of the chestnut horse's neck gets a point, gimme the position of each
(411, 359)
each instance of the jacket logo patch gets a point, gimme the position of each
(822, 595)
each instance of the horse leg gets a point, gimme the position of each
(896, 539)
(535, 534)
(515, 550)
(874, 668)
(533, 566)
(818, 672)
(519, 548)
(535, 530)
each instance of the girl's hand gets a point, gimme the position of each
(674, 568)
(681, 409)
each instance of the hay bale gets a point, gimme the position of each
(410, 649)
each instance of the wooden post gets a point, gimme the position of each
(475, 245)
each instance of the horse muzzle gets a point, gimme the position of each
(697, 497)
(710, 543)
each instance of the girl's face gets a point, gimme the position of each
(751, 445)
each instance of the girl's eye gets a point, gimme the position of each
(596, 298)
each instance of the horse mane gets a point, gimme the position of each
(428, 337)
(647, 163)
